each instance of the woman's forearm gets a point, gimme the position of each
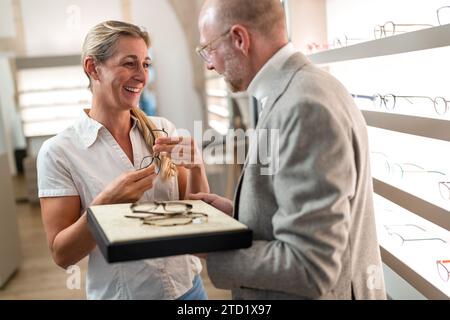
(197, 181)
(73, 243)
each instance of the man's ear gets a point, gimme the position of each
(240, 38)
(91, 68)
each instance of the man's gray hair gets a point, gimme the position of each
(264, 16)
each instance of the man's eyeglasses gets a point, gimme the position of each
(154, 159)
(444, 271)
(166, 213)
(205, 51)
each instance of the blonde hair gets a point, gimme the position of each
(100, 44)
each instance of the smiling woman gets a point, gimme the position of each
(97, 161)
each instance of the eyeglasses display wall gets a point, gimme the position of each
(415, 244)
(393, 58)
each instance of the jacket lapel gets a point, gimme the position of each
(280, 80)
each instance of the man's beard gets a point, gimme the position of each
(234, 71)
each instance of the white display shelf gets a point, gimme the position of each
(424, 39)
(414, 260)
(47, 62)
(421, 207)
(419, 126)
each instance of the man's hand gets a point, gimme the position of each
(223, 204)
(200, 255)
(183, 151)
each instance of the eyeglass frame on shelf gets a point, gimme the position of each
(441, 184)
(389, 164)
(383, 99)
(445, 184)
(403, 239)
(337, 43)
(382, 28)
(202, 49)
(437, 13)
(442, 264)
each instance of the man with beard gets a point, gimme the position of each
(313, 218)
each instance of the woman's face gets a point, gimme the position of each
(124, 75)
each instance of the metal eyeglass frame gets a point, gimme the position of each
(204, 51)
(344, 41)
(403, 239)
(444, 189)
(438, 14)
(385, 100)
(379, 31)
(443, 271)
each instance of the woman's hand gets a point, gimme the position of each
(183, 151)
(129, 187)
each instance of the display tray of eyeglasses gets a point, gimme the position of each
(126, 232)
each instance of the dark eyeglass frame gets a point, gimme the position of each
(163, 204)
(154, 157)
(204, 51)
(152, 217)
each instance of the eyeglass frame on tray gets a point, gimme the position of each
(153, 216)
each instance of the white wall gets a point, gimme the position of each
(10, 123)
(58, 27)
(177, 98)
(307, 21)
(7, 29)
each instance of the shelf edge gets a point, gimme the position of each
(412, 277)
(424, 127)
(424, 39)
(420, 207)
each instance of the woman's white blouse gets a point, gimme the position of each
(82, 161)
